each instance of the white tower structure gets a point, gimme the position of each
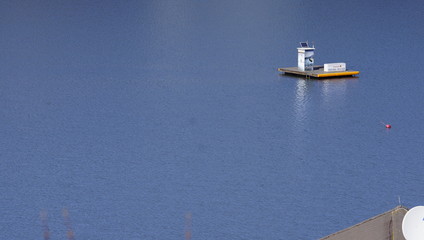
(305, 57)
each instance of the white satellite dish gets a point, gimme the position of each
(413, 224)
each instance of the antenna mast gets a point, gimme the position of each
(69, 231)
(188, 221)
(46, 230)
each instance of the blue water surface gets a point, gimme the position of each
(133, 115)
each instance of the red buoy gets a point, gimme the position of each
(388, 126)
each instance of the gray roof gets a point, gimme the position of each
(385, 226)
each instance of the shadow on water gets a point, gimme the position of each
(70, 234)
(67, 221)
(311, 97)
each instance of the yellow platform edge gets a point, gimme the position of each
(317, 74)
(338, 74)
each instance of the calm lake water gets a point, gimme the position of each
(133, 114)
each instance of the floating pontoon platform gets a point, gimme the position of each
(318, 72)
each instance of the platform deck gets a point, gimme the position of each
(318, 72)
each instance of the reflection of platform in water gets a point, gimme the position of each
(318, 72)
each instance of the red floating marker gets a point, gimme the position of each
(388, 126)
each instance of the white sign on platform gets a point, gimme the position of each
(334, 67)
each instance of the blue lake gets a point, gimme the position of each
(133, 114)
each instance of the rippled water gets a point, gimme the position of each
(131, 115)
